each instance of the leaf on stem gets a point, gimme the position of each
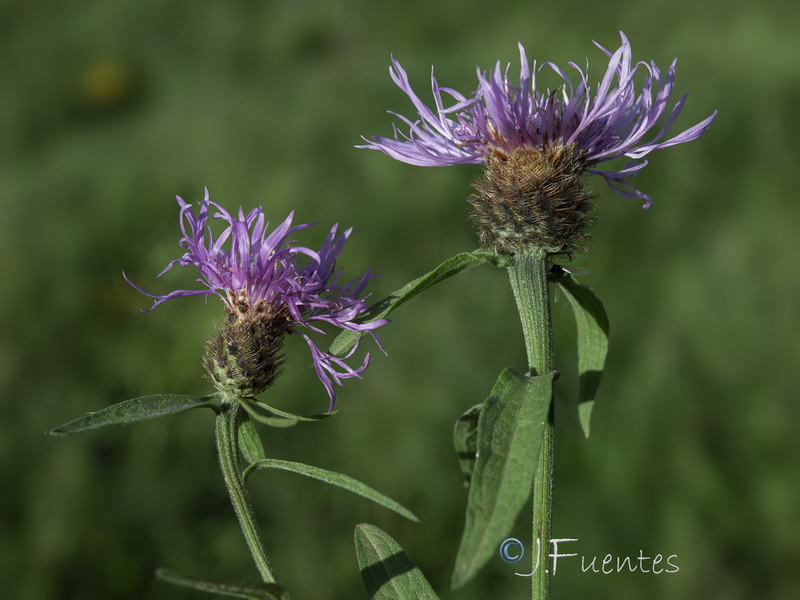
(333, 478)
(592, 326)
(248, 591)
(269, 415)
(249, 441)
(137, 409)
(387, 571)
(510, 432)
(345, 341)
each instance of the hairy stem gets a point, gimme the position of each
(229, 461)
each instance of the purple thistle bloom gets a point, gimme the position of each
(263, 275)
(602, 126)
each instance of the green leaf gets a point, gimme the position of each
(345, 341)
(137, 409)
(465, 441)
(592, 327)
(248, 591)
(333, 478)
(387, 571)
(510, 431)
(269, 415)
(249, 440)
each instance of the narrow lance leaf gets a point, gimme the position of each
(510, 431)
(345, 341)
(386, 570)
(274, 417)
(248, 591)
(592, 327)
(136, 409)
(332, 477)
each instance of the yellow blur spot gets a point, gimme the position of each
(105, 83)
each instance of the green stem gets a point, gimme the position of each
(229, 461)
(529, 281)
(543, 511)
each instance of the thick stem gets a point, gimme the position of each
(529, 281)
(229, 461)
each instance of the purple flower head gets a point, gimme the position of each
(263, 276)
(610, 122)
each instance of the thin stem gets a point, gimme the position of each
(229, 461)
(529, 281)
(543, 510)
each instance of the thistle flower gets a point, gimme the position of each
(538, 145)
(269, 287)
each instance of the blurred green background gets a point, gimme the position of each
(110, 109)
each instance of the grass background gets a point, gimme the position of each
(110, 109)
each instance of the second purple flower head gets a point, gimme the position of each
(609, 123)
(537, 144)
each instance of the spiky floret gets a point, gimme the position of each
(270, 287)
(608, 122)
